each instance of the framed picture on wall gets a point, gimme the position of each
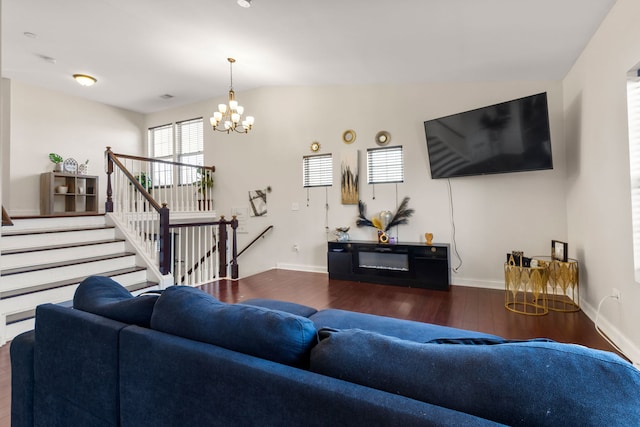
(558, 250)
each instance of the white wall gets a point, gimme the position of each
(44, 121)
(494, 214)
(598, 185)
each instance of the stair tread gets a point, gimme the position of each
(34, 231)
(63, 246)
(30, 313)
(40, 267)
(62, 283)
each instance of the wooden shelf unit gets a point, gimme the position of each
(81, 196)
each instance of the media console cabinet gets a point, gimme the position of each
(415, 265)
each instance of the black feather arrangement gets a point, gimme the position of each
(403, 213)
(362, 220)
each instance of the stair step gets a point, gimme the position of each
(24, 239)
(40, 267)
(32, 231)
(40, 222)
(62, 283)
(55, 247)
(23, 257)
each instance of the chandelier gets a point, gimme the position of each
(229, 116)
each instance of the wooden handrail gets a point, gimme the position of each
(256, 239)
(167, 162)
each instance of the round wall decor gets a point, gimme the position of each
(349, 136)
(70, 165)
(383, 137)
(315, 146)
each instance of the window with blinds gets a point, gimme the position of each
(161, 143)
(317, 171)
(385, 165)
(633, 110)
(187, 147)
(190, 143)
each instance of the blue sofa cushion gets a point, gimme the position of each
(399, 328)
(289, 307)
(519, 384)
(269, 334)
(106, 297)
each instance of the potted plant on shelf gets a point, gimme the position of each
(204, 182)
(144, 180)
(57, 160)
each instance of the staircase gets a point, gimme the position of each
(44, 259)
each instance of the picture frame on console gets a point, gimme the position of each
(559, 250)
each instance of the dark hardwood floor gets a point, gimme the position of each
(461, 307)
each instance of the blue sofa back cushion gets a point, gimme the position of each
(519, 384)
(106, 297)
(269, 334)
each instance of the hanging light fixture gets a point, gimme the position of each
(229, 116)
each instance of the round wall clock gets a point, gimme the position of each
(70, 165)
(383, 137)
(315, 146)
(349, 136)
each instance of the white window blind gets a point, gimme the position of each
(633, 104)
(385, 165)
(317, 171)
(161, 142)
(190, 143)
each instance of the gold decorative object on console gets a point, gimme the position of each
(526, 288)
(428, 237)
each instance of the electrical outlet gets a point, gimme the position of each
(615, 293)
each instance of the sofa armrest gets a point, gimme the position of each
(22, 382)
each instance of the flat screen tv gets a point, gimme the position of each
(511, 136)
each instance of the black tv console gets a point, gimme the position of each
(404, 264)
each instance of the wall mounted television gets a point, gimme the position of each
(512, 136)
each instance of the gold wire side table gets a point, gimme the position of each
(526, 289)
(563, 290)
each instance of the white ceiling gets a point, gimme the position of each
(142, 49)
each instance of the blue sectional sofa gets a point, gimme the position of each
(184, 358)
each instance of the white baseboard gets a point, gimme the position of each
(301, 267)
(619, 339)
(477, 283)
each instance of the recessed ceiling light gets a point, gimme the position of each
(244, 3)
(84, 79)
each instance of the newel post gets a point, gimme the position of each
(222, 247)
(165, 241)
(108, 205)
(234, 248)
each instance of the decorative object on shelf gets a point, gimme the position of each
(559, 250)
(383, 137)
(385, 219)
(348, 136)
(70, 165)
(62, 189)
(57, 161)
(349, 177)
(518, 258)
(315, 146)
(230, 115)
(80, 190)
(85, 79)
(341, 234)
(383, 237)
(428, 237)
(83, 168)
